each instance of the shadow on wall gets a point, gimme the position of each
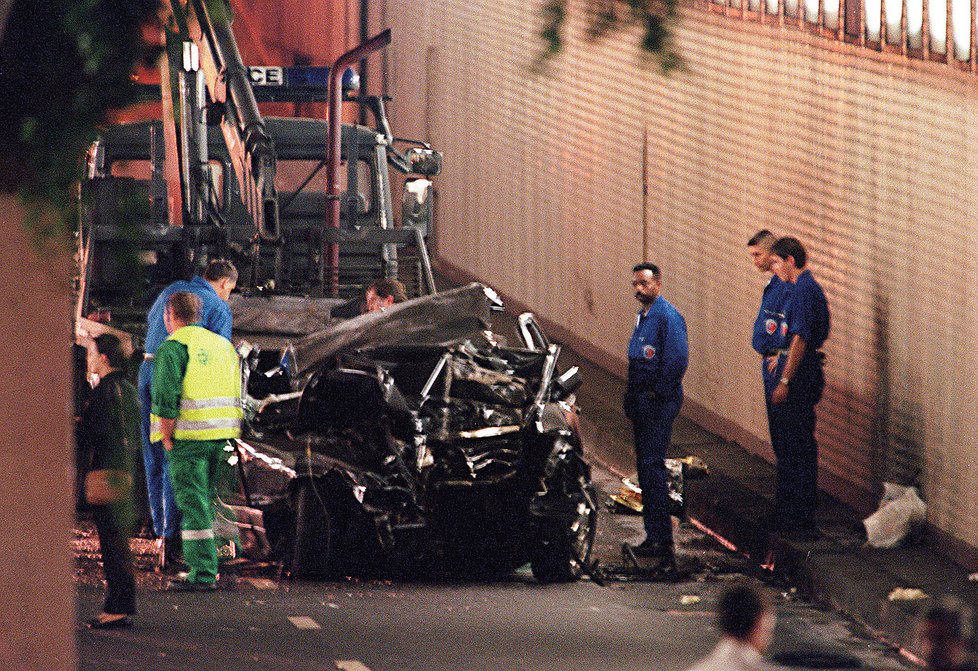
(898, 426)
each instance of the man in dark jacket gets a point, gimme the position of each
(658, 353)
(107, 430)
(798, 391)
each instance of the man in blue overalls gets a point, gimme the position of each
(213, 288)
(798, 390)
(657, 357)
(770, 328)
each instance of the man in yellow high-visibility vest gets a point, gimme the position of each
(196, 408)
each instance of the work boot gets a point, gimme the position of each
(171, 553)
(184, 585)
(653, 549)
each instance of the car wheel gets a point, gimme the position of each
(563, 543)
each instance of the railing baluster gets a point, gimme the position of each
(971, 37)
(948, 35)
(925, 29)
(903, 27)
(862, 23)
(883, 32)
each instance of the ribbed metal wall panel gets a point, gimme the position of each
(870, 162)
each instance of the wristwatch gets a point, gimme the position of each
(785, 381)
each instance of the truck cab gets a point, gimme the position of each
(128, 251)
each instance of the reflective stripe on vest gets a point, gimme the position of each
(210, 402)
(197, 534)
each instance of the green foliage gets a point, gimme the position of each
(64, 64)
(554, 13)
(607, 16)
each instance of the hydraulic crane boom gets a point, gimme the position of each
(208, 26)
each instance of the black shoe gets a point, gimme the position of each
(172, 551)
(183, 585)
(120, 623)
(168, 556)
(653, 549)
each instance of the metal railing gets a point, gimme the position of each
(918, 29)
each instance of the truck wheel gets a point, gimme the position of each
(563, 544)
(312, 542)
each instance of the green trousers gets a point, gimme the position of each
(194, 467)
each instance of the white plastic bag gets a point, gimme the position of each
(901, 509)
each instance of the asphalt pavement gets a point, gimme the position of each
(837, 570)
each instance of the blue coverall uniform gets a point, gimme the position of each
(216, 317)
(658, 354)
(793, 421)
(770, 338)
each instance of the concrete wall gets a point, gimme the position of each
(36, 589)
(558, 180)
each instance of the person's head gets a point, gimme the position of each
(383, 293)
(745, 614)
(944, 634)
(759, 248)
(183, 308)
(105, 355)
(789, 258)
(647, 282)
(223, 276)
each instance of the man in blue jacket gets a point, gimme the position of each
(657, 357)
(770, 328)
(798, 391)
(214, 288)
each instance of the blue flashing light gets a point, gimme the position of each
(317, 76)
(351, 80)
(307, 75)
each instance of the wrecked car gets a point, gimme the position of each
(412, 441)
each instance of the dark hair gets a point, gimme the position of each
(386, 287)
(786, 247)
(952, 618)
(185, 306)
(762, 237)
(739, 610)
(219, 269)
(111, 347)
(651, 267)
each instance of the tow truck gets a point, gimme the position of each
(302, 206)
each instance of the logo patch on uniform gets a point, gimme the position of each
(202, 357)
(770, 326)
(648, 351)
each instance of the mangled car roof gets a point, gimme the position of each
(439, 319)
